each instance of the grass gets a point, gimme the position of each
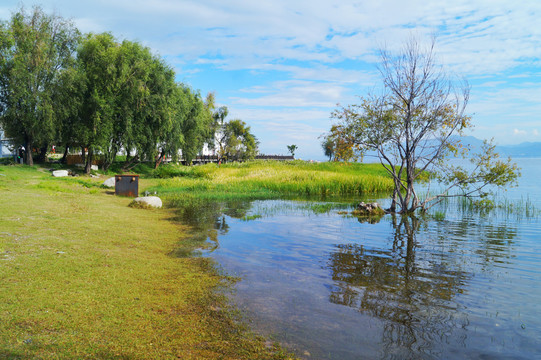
(272, 180)
(84, 276)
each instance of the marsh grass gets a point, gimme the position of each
(271, 180)
(516, 209)
(85, 276)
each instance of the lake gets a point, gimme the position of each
(326, 285)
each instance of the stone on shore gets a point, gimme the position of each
(60, 173)
(149, 201)
(110, 183)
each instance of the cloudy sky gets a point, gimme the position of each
(282, 66)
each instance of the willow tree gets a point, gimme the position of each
(34, 49)
(196, 121)
(96, 59)
(412, 127)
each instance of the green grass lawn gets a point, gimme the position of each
(84, 276)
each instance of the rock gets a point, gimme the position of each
(92, 167)
(369, 209)
(60, 173)
(110, 183)
(152, 201)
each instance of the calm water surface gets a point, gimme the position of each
(328, 286)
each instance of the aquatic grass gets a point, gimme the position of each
(439, 216)
(517, 209)
(251, 217)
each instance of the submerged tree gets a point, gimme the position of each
(412, 127)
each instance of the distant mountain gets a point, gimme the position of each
(523, 150)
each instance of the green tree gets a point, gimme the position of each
(328, 147)
(337, 147)
(35, 48)
(219, 125)
(71, 85)
(411, 126)
(196, 121)
(292, 148)
(96, 62)
(159, 131)
(240, 143)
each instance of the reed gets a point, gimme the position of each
(273, 179)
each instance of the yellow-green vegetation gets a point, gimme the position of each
(272, 179)
(84, 276)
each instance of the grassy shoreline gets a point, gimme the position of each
(85, 276)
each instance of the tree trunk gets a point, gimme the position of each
(159, 160)
(83, 154)
(43, 154)
(65, 156)
(89, 158)
(28, 160)
(128, 165)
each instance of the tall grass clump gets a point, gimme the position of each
(272, 179)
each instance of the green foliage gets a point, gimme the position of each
(412, 128)
(169, 171)
(233, 138)
(439, 216)
(35, 49)
(240, 143)
(112, 95)
(196, 121)
(251, 217)
(292, 148)
(328, 147)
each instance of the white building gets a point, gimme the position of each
(5, 145)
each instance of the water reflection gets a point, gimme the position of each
(411, 293)
(400, 288)
(413, 288)
(207, 220)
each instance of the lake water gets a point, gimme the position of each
(328, 286)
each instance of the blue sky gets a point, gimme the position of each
(282, 66)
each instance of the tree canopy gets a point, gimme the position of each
(414, 125)
(103, 96)
(234, 139)
(35, 48)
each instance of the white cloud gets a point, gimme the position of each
(325, 52)
(295, 93)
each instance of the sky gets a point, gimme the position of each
(283, 66)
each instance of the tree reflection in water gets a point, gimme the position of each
(207, 220)
(413, 288)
